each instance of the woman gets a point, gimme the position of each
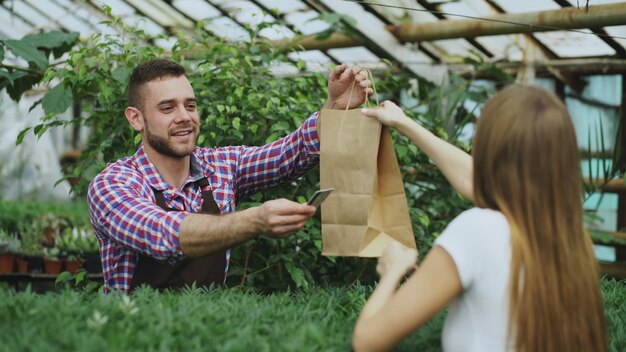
(519, 268)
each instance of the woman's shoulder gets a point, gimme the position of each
(479, 218)
(477, 225)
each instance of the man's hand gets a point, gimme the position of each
(281, 217)
(340, 91)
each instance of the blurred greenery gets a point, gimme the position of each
(318, 319)
(251, 93)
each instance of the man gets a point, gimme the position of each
(166, 215)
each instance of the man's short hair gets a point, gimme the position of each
(149, 71)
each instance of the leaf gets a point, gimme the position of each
(22, 85)
(271, 138)
(64, 276)
(297, 275)
(20, 136)
(27, 52)
(11, 76)
(236, 123)
(50, 39)
(57, 100)
(40, 129)
(121, 74)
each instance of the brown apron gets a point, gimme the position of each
(161, 274)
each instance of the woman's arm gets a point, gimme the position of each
(455, 164)
(389, 315)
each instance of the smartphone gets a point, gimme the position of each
(319, 197)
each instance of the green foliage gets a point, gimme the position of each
(243, 99)
(35, 50)
(614, 296)
(321, 319)
(77, 240)
(14, 214)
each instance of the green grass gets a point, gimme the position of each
(320, 319)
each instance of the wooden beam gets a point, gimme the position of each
(514, 23)
(615, 185)
(542, 21)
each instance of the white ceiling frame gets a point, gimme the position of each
(375, 31)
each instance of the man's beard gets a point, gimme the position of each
(163, 145)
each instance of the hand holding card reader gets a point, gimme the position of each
(319, 197)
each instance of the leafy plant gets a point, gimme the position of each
(9, 242)
(244, 98)
(77, 240)
(35, 50)
(321, 319)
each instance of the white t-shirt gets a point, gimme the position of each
(478, 240)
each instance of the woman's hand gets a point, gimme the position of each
(388, 114)
(397, 260)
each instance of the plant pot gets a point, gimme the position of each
(52, 266)
(73, 265)
(7, 262)
(22, 265)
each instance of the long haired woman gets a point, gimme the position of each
(518, 271)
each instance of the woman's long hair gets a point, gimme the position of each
(526, 165)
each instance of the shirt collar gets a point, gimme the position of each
(147, 168)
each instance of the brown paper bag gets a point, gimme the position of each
(368, 208)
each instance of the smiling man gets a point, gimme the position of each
(165, 216)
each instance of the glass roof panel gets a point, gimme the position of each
(247, 12)
(276, 32)
(118, 7)
(72, 20)
(452, 49)
(28, 11)
(305, 23)
(458, 8)
(197, 9)
(144, 23)
(359, 56)
(315, 59)
(411, 13)
(517, 6)
(84, 16)
(12, 26)
(160, 12)
(573, 44)
(227, 28)
(284, 6)
(502, 46)
(617, 31)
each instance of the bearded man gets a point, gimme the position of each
(165, 216)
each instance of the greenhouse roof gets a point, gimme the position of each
(422, 36)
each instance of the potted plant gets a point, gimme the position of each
(51, 225)
(51, 262)
(89, 249)
(31, 237)
(9, 245)
(70, 243)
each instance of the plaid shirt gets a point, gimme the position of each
(127, 221)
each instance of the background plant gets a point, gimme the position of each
(245, 97)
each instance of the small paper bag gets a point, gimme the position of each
(368, 208)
